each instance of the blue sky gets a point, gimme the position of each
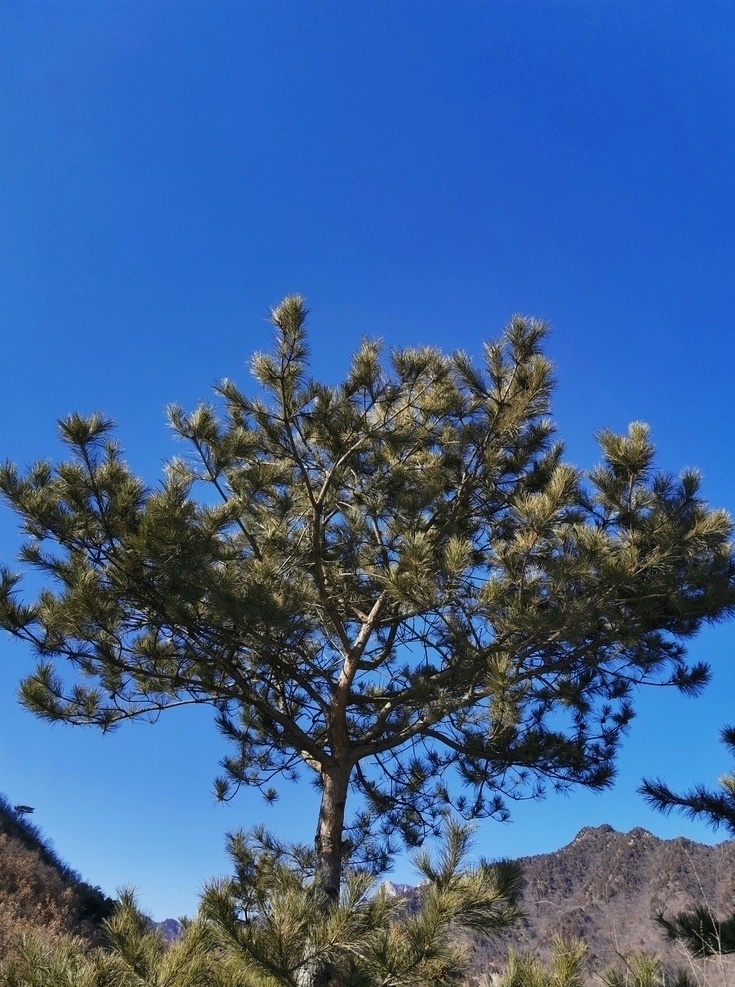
(419, 170)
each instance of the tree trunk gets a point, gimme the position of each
(328, 846)
(330, 830)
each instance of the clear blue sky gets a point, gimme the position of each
(419, 170)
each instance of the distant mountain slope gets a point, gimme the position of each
(170, 929)
(38, 892)
(604, 887)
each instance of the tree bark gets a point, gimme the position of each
(330, 829)
(328, 846)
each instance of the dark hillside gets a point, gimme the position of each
(38, 892)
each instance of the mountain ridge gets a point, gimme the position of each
(604, 888)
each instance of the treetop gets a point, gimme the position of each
(396, 580)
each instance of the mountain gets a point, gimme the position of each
(171, 929)
(38, 892)
(604, 888)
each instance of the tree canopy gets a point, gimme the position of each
(395, 583)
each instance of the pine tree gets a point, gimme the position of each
(395, 583)
(135, 955)
(265, 928)
(269, 924)
(565, 969)
(644, 970)
(700, 931)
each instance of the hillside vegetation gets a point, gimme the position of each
(40, 893)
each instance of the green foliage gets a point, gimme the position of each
(37, 963)
(644, 970)
(394, 582)
(567, 967)
(700, 931)
(136, 955)
(271, 920)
